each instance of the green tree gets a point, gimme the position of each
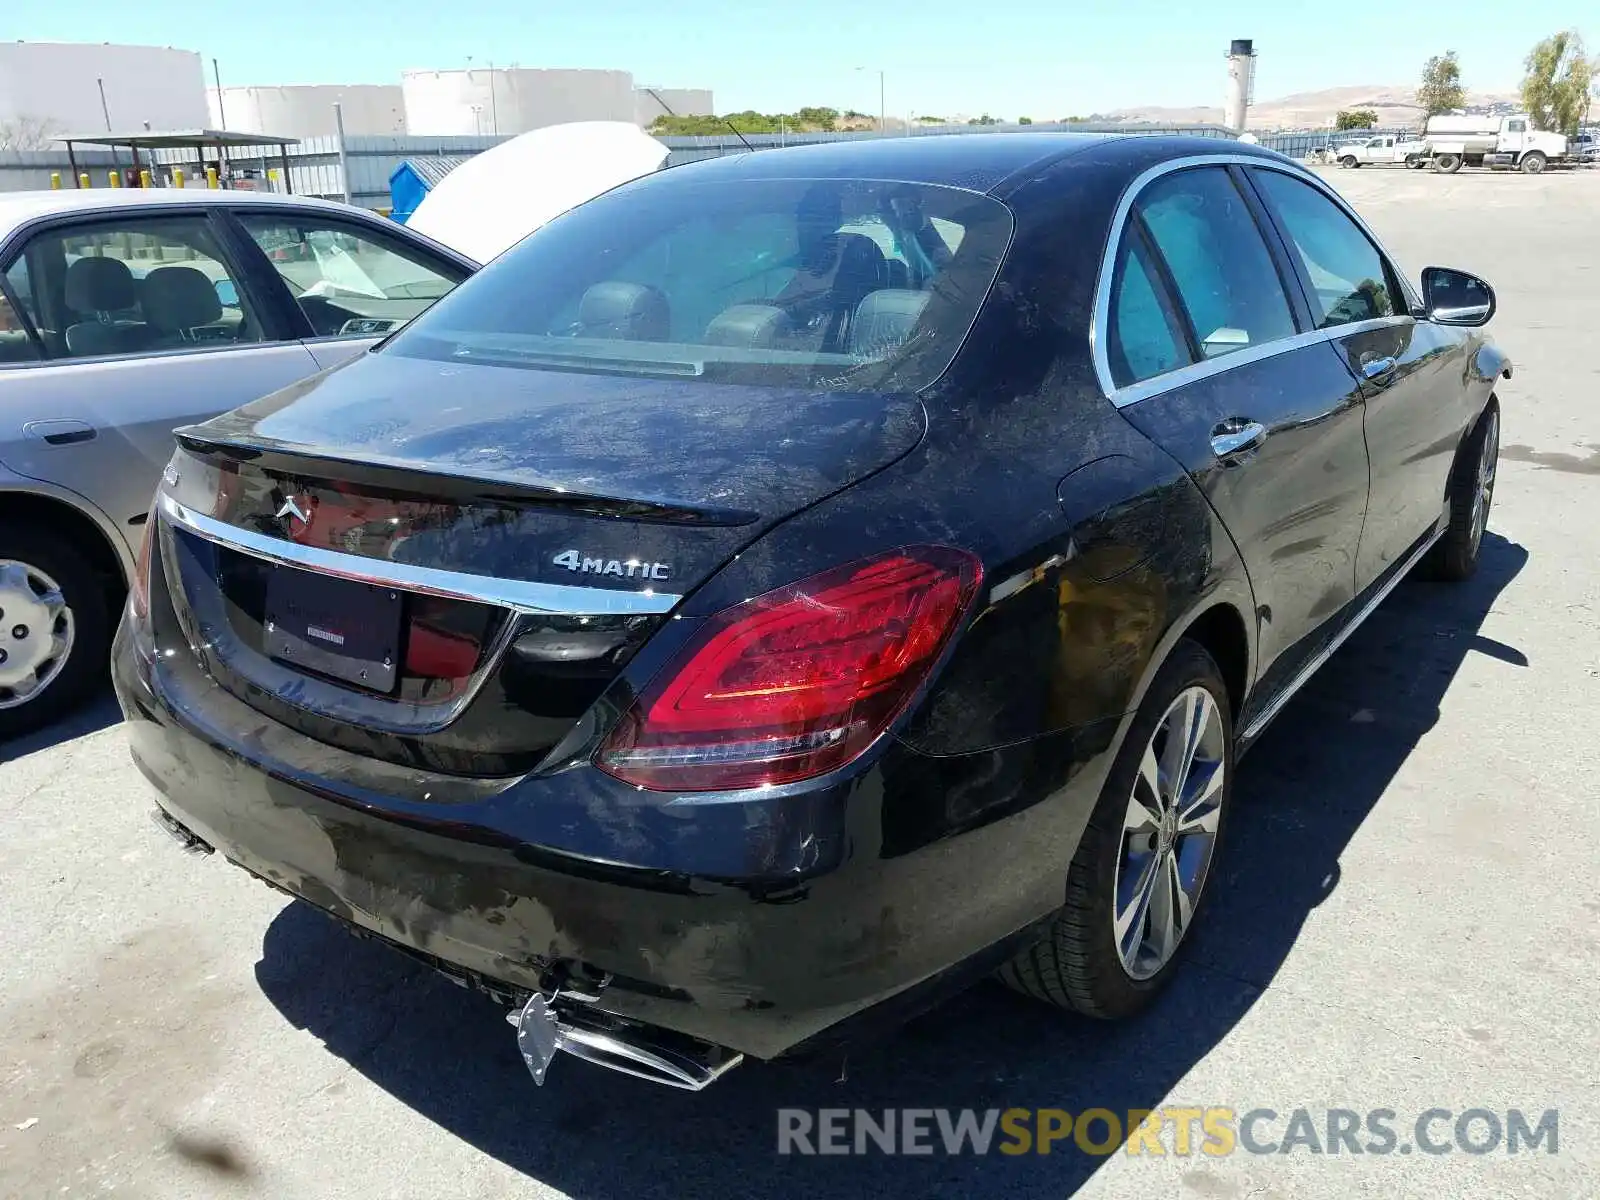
(826, 119)
(1356, 118)
(1024, 120)
(1558, 86)
(925, 119)
(986, 119)
(1440, 90)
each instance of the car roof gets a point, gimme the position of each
(978, 162)
(18, 208)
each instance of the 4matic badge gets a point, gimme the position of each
(629, 568)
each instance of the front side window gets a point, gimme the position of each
(1348, 279)
(131, 286)
(348, 282)
(1219, 262)
(831, 285)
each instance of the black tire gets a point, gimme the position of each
(86, 595)
(1447, 164)
(1348, 161)
(1077, 965)
(1533, 163)
(1454, 557)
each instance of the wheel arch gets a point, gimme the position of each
(76, 521)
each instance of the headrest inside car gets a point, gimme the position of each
(885, 319)
(754, 325)
(179, 298)
(632, 312)
(96, 285)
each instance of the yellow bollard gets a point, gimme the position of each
(116, 178)
(177, 177)
(55, 181)
(83, 180)
(144, 178)
(211, 177)
(272, 179)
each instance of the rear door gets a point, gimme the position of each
(1208, 357)
(1409, 370)
(352, 281)
(143, 322)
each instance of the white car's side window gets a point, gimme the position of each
(347, 282)
(130, 286)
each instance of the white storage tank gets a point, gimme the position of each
(57, 86)
(306, 110)
(511, 100)
(653, 102)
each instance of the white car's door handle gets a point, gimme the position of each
(1232, 438)
(60, 432)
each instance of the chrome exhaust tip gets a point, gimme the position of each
(645, 1053)
(180, 833)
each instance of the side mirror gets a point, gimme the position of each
(1456, 298)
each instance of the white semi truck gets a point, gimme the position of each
(1505, 142)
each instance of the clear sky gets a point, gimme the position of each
(1041, 59)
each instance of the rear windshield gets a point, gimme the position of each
(832, 285)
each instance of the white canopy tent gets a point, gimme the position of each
(495, 199)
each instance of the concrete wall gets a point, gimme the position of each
(684, 102)
(483, 103)
(53, 83)
(306, 110)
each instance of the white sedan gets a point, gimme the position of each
(124, 314)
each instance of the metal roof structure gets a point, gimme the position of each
(218, 141)
(174, 139)
(431, 168)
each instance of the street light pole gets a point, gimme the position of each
(883, 111)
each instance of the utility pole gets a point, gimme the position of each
(494, 104)
(104, 110)
(344, 160)
(883, 109)
(222, 119)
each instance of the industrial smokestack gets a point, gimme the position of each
(1241, 79)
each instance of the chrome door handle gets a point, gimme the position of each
(1377, 368)
(1232, 439)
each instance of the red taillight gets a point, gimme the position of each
(797, 682)
(141, 571)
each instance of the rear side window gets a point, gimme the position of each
(1347, 275)
(1147, 337)
(1227, 284)
(132, 285)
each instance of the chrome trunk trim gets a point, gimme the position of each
(519, 595)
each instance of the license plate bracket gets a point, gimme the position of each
(341, 628)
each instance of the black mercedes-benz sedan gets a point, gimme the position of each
(790, 586)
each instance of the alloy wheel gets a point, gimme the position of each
(1169, 833)
(36, 632)
(1488, 466)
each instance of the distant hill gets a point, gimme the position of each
(1309, 110)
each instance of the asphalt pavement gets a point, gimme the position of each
(1408, 920)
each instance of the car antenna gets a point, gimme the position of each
(725, 120)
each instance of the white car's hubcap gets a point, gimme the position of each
(35, 632)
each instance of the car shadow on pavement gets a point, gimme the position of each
(96, 713)
(1300, 797)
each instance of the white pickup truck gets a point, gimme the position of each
(1386, 148)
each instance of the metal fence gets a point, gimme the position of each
(314, 163)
